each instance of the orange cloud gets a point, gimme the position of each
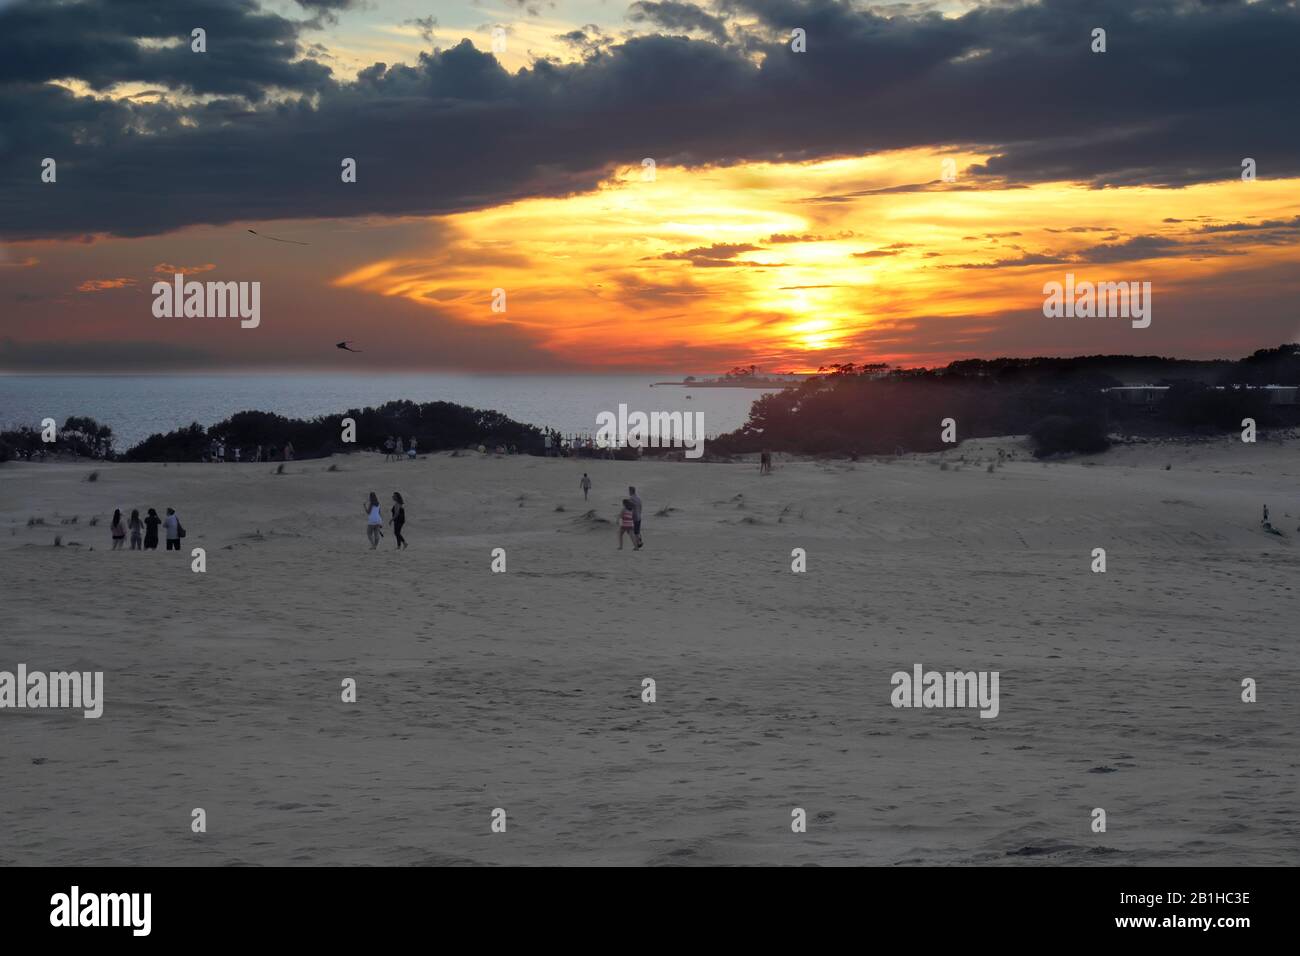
(100, 285)
(801, 265)
(167, 269)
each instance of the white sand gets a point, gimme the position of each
(522, 690)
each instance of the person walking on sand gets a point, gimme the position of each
(625, 524)
(633, 497)
(586, 485)
(118, 529)
(401, 449)
(137, 528)
(398, 519)
(374, 521)
(151, 523)
(410, 452)
(172, 524)
(388, 448)
(765, 462)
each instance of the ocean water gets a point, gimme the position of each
(137, 406)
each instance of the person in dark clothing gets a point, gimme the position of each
(398, 519)
(151, 523)
(118, 530)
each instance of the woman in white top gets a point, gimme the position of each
(374, 521)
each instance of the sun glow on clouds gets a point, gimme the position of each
(794, 266)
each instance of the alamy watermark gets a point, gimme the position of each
(211, 300)
(75, 909)
(1101, 300)
(950, 689)
(57, 689)
(656, 430)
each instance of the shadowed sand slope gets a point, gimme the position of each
(522, 690)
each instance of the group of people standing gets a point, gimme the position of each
(144, 531)
(395, 449)
(375, 520)
(218, 451)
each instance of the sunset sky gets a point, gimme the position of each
(797, 215)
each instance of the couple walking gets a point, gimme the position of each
(629, 522)
(375, 520)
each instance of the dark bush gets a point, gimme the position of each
(1195, 406)
(436, 425)
(1058, 434)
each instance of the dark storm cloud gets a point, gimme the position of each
(672, 15)
(98, 41)
(1186, 90)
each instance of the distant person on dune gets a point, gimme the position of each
(1268, 525)
(410, 452)
(388, 448)
(374, 521)
(586, 485)
(401, 448)
(398, 519)
(625, 524)
(137, 529)
(172, 523)
(118, 529)
(765, 462)
(151, 523)
(633, 497)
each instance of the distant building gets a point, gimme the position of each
(1152, 394)
(1136, 394)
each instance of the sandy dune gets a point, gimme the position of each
(522, 690)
